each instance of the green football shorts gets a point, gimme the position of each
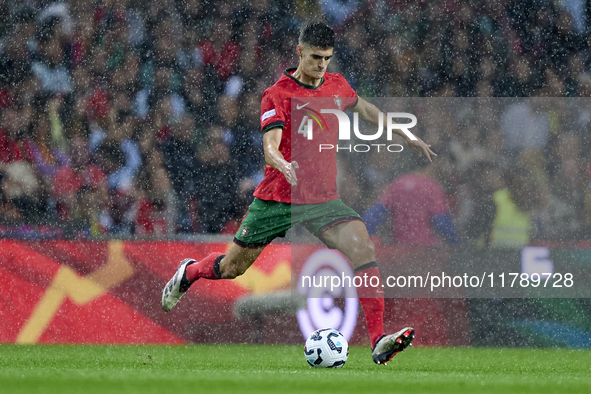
(266, 220)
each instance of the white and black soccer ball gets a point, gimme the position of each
(326, 348)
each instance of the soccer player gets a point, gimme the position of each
(309, 181)
(417, 208)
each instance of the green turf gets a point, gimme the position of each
(282, 369)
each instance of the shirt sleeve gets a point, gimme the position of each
(272, 113)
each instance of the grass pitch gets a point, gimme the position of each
(283, 369)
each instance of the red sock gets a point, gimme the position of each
(371, 300)
(207, 268)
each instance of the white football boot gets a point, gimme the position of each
(389, 345)
(176, 287)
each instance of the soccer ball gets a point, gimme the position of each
(326, 348)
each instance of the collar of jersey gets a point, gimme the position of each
(287, 72)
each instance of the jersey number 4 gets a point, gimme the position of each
(305, 128)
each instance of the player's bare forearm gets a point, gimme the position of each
(274, 158)
(370, 113)
(271, 141)
(367, 111)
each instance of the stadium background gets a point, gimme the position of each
(139, 121)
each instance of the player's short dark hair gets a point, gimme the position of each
(317, 34)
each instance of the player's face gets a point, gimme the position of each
(314, 60)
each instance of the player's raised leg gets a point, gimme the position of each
(214, 266)
(264, 221)
(352, 239)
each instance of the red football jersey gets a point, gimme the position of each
(317, 170)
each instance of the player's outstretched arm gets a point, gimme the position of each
(274, 158)
(370, 113)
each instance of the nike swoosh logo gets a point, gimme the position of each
(301, 106)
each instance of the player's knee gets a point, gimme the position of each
(364, 250)
(369, 247)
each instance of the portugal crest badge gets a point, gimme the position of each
(244, 231)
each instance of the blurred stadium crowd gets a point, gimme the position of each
(136, 118)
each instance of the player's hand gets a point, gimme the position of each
(421, 148)
(289, 173)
